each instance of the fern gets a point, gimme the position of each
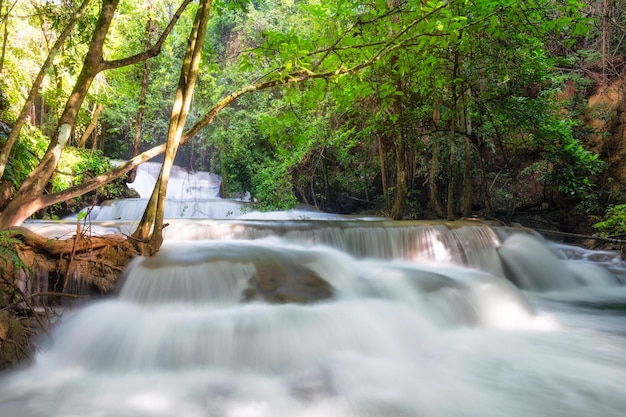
(8, 251)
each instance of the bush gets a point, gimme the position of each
(614, 221)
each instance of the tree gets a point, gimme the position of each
(396, 61)
(28, 198)
(26, 107)
(149, 230)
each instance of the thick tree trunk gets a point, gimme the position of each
(401, 192)
(485, 184)
(433, 198)
(399, 204)
(149, 232)
(452, 167)
(57, 247)
(467, 178)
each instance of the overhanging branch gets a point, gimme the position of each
(154, 50)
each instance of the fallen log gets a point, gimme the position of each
(76, 244)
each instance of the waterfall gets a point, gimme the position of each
(391, 337)
(312, 315)
(182, 184)
(190, 194)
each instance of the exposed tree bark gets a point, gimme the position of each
(150, 228)
(433, 170)
(64, 246)
(32, 94)
(452, 168)
(483, 177)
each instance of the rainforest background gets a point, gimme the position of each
(509, 110)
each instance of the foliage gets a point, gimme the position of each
(614, 221)
(26, 154)
(490, 70)
(78, 165)
(8, 251)
(9, 259)
(122, 91)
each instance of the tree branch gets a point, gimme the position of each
(297, 76)
(154, 50)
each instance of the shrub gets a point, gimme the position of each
(614, 221)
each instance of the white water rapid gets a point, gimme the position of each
(190, 194)
(423, 320)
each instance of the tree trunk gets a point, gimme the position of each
(433, 201)
(399, 203)
(33, 186)
(30, 195)
(5, 34)
(24, 112)
(452, 180)
(485, 183)
(453, 116)
(141, 108)
(149, 232)
(467, 172)
(383, 168)
(91, 127)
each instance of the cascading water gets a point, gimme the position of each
(190, 195)
(374, 318)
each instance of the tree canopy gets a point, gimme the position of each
(403, 108)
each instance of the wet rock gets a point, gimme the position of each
(279, 283)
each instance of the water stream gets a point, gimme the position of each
(423, 319)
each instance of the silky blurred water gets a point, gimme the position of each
(426, 319)
(399, 337)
